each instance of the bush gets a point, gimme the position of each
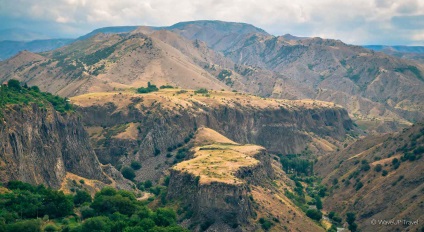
(314, 214)
(50, 228)
(81, 197)
(350, 217)
(164, 217)
(331, 214)
(167, 87)
(337, 219)
(384, 173)
(359, 185)
(148, 184)
(148, 89)
(318, 203)
(135, 165)
(353, 227)
(100, 223)
(14, 84)
(128, 173)
(25, 226)
(87, 212)
(378, 168)
(201, 91)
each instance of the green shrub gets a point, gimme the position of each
(150, 88)
(314, 214)
(384, 173)
(51, 228)
(201, 91)
(135, 165)
(128, 173)
(82, 197)
(378, 168)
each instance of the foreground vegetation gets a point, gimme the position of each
(24, 207)
(15, 93)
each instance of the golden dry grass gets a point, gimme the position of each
(92, 186)
(220, 159)
(175, 98)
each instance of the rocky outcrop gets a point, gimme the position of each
(282, 129)
(39, 146)
(220, 197)
(223, 204)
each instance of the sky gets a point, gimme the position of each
(362, 22)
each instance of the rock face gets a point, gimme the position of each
(39, 146)
(218, 195)
(163, 121)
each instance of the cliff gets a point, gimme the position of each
(38, 145)
(226, 186)
(126, 126)
(213, 184)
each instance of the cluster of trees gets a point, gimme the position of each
(201, 91)
(16, 93)
(293, 164)
(24, 207)
(150, 88)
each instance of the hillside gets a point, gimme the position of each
(223, 184)
(415, 53)
(108, 62)
(381, 92)
(378, 177)
(126, 126)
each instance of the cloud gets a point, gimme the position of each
(353, 21)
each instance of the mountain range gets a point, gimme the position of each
(381, 92)
(233, 128)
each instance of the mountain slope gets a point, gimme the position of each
(372, 86)
(107, 62)
(148, 128)
(219, 35)
(378, 177)
(415, 53)
(223, 184)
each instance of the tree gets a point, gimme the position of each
(81, 197)
(96, 224)
(14, 84)
(350, 219)
(314, 214)
(164, 217)
(378, 168)
(57, 204)
(135, 165)
(25, 226)
(148, 184)
(318, 203)
(128, 173)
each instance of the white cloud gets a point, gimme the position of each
(353, 21)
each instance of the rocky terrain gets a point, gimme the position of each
(378, 177)
(40, 145)
(126, 126)
(217, 182)
(382, 93)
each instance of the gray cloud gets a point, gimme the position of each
(353, 21)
